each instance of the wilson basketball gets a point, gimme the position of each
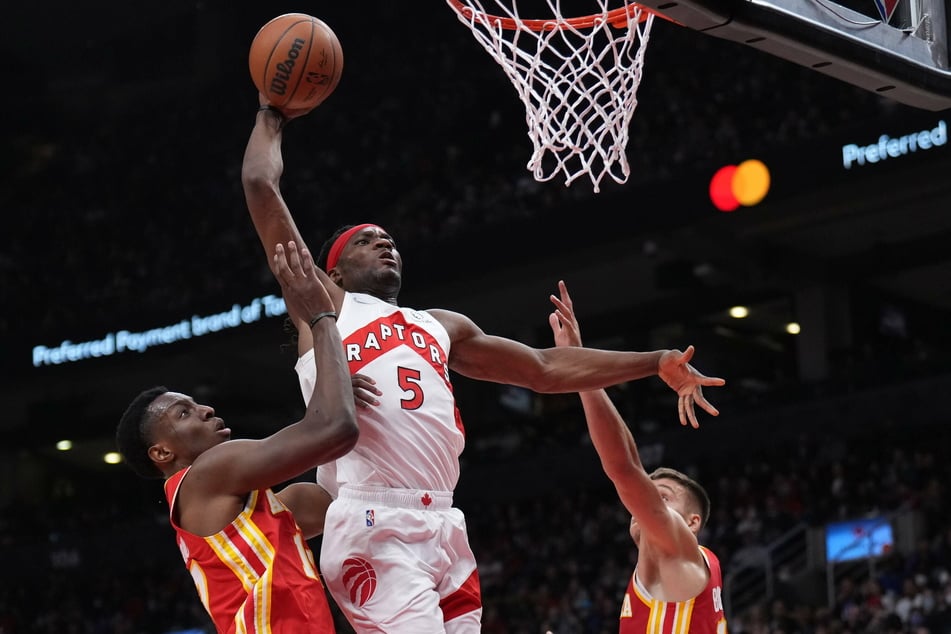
(296, 61)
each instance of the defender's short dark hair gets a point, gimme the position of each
(321, 260)
(698, 493)
(134, 431)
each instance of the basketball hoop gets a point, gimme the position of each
(577, 78)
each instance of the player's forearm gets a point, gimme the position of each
(263, 162)
(610, 435)
(584, 369)
(332, 401)
(260, 176)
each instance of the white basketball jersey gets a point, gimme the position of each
(413, 438)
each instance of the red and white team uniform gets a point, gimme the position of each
(395, 553)
(257, 575)
(642, 614)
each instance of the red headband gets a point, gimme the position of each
(337, 247)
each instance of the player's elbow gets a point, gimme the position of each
(620, 469)
(542, 379)
(257, 180)
(343, 434)
(549, 373)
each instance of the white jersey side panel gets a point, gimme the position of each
(413, 438)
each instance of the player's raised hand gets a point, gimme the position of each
(304, 293)
(564, 324)
(675, 370)
(286, 112)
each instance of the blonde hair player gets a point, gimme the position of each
(677, 586)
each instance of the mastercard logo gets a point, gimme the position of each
(744, 184)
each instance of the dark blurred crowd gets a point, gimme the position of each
(139, 196)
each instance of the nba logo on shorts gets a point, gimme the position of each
(370, 519)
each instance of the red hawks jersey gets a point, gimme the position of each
(257, 576)
(413, 438)
(641, 614)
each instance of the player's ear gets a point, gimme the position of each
(694, 522)
(335, 276)
(161, 454)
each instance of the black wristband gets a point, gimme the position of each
(280, 115)
(319, 316)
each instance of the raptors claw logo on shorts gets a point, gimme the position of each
(359, 578)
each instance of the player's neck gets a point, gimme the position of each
(390, 297)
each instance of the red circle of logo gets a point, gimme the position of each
(359, 578)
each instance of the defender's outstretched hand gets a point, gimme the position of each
(563, 322)
(673, 368)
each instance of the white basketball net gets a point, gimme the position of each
(578, 85)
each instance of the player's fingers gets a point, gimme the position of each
(560, 304)
(362, 398)
(691, 412)
(280, 261)
(564, 316)
(307, 261)
(702, 401)
(565, 313)
(712, 381)
(680, 410)
(293, 257)
(365, 385)
(687, 354)
(565, 297)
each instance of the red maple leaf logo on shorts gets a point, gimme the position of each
(359, 578)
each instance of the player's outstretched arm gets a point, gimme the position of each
(666, 542)
(478, 355)
(610, 435)
(261, 172)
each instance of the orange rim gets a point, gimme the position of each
(616, 17)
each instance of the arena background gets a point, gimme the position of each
(123, 212)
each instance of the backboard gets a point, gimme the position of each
(896, 48)
(579, 73)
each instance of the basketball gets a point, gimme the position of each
(295, 61)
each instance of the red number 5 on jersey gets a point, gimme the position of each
(408, 380)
